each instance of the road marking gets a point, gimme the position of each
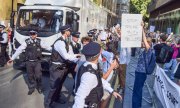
(10, 81)
(7, 70)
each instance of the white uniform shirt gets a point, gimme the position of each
(88, 82)
(103, 35)
(23, 47)
(60, 47)
(5, 38)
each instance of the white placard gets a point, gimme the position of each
(131, 30)
(152, 28)
(168, 30)
(166, 90)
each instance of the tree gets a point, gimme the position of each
(140, 7)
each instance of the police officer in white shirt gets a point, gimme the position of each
(3, 45)
(33, 52)
(60, 60)
(89, 85)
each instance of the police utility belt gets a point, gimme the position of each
(59, 65)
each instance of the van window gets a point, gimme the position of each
(46, 22)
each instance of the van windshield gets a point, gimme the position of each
(46, 22)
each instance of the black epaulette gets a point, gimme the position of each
(38, 40)
(27, 41)
(90, 69)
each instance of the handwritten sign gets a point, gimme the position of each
(131, 35)
(152, 28)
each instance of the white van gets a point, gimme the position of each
(47, 16)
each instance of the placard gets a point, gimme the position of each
(131, 30)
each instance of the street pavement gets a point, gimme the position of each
(13, 90)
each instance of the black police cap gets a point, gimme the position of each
(90, 34)
(76, 34)
(32, 32)
(91, 31)
(65, 28)
(91, 49)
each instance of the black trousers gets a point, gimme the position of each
(34, 74)
(3, 55)
(57, 78)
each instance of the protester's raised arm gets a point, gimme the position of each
(147, 46)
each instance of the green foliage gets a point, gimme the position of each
(140, 7)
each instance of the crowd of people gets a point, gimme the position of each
(172, 42)
(92, 61)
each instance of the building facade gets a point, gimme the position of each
(165, 14)
(122, 7)
(7, 7)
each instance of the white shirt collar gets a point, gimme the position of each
(32, 40)
(63, 37)
(94, 66)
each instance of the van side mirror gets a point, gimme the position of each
(75, 16)
(75, 26)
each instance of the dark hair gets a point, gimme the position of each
(63, 32)
(154, 40)
(163, 37)
(87, 39)
(92, 58)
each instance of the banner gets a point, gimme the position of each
(131, 30)
(166, 90)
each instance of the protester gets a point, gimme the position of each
(125, 57)
(158, 47)
(177, 73)
(172, 64)
(140, 72)
(10, 40)
(109, 63)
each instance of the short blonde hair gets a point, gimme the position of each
(149, 40)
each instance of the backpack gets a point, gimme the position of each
(165, 54)
(151, 65)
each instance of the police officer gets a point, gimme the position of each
(95, 34)
(33, 49)
(59, 67)
(76, 47)
(74, 43)
(89, 84)
(90, 34)
(3, 45)
(89, 89)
